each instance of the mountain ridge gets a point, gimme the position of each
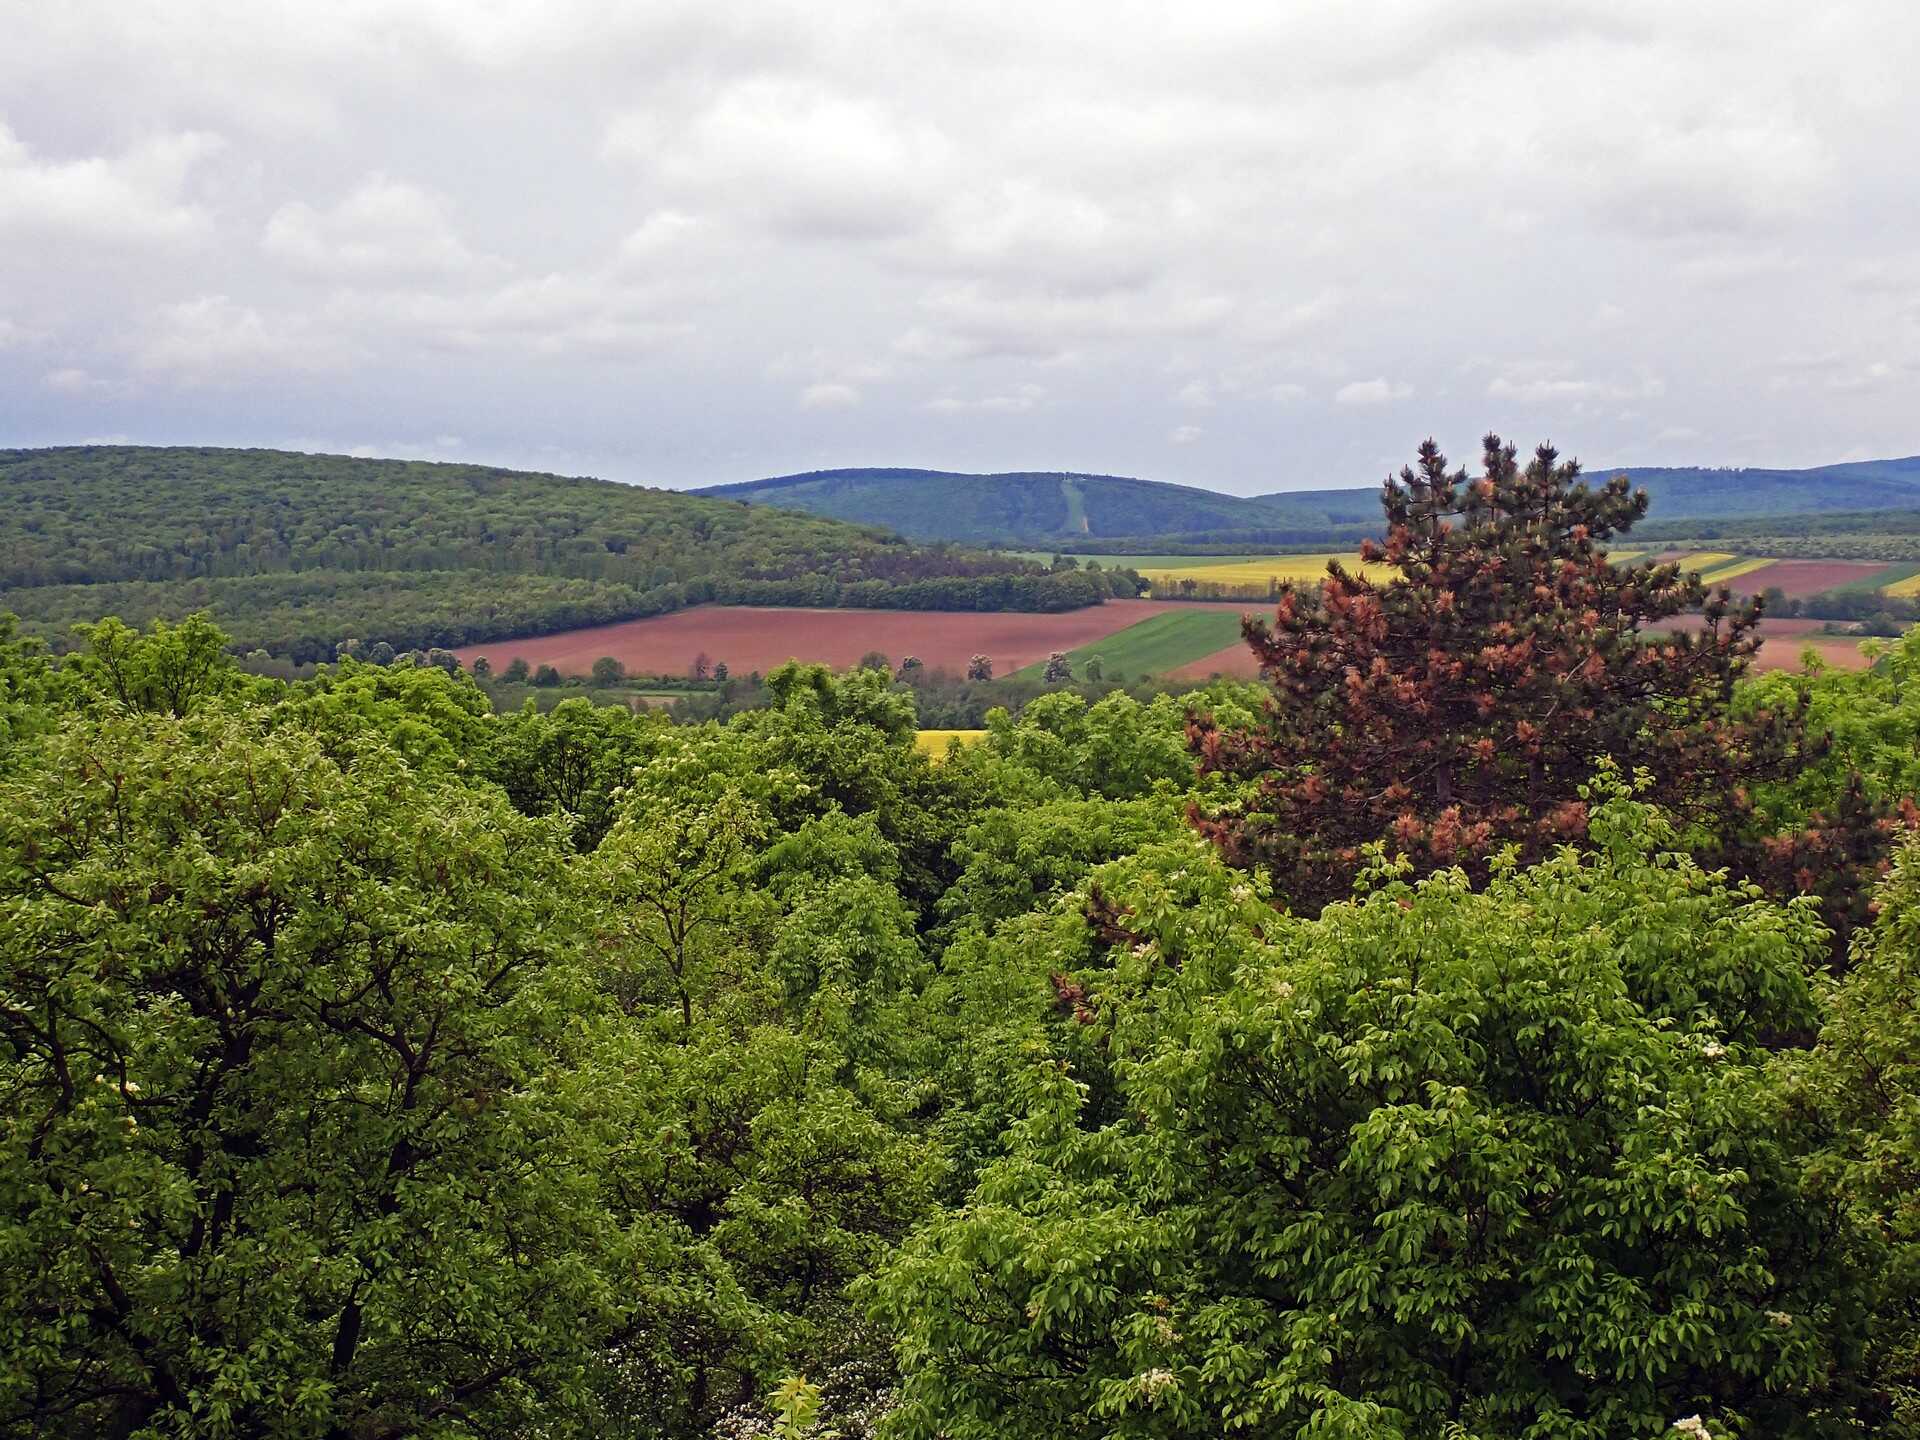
(1040, 507)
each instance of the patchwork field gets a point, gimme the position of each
(751, 637)
(1906, 583)
(1782, 646)
(1801, 578)
(1744, 574)
(1185, 639)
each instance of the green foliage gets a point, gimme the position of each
(572, 760)
(276, 1025)
(377, 1065)
(436, 722)
(1863, 1083)
(1500, 1160)
(1115, 747)
(30, 690)
(167, 671)
(1870, 719)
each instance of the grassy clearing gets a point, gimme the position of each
(1156, 645)
(936, 743)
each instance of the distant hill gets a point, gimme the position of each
(1687, 493)
(1036, 507)
(1694, 492)
(1042, 508)
(294, 553)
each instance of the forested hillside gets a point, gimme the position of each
(1698, 492)
(1046, 508)
(1501, 1023)
(1041, 507)
(294, 553)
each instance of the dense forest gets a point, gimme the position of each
(1029, 508)
(1498, 1024)
(294, 553)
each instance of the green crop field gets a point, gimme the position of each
(1156, 645)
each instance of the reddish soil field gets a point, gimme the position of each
(753, 637)
(1782, 642)
(1803, 577)
(1235, 661)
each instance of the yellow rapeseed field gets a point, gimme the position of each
(1255, 573)
(934, 742)
(1908, 587)
(1721, 574)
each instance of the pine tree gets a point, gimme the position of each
(1461, 705)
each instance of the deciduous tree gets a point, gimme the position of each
(1501, 1163)
(307, 1119)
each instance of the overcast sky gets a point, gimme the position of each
(1250, 246)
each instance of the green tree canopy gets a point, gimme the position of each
(1501, 1161)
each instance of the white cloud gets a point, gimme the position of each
(384, 229)
(75, 382)
(1288, 393)
(214, 340)
(136, 197)
(1528, 387)
(803, 157)
(1017, 402)
(663, 234)
(1876, 375)
(828, 395)
(1371, 392)
(1735, 267)
(12, 335)
(1184, 434)
(559, 313)
(969, 321)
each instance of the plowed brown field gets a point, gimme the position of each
(751, 637)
